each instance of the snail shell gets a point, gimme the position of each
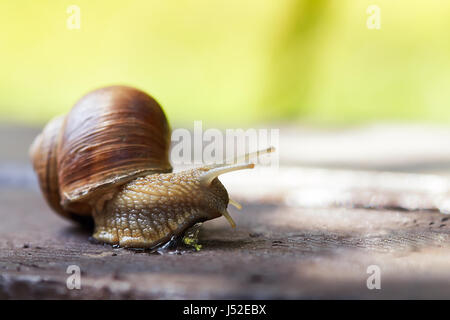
(111, 136)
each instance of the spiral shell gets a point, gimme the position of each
(110, 137)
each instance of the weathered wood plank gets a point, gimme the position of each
(276, 252)
(303, 233)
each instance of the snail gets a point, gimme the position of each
(107, 162)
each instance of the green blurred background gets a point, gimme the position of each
(231, 62)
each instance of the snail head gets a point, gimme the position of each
(217, 198)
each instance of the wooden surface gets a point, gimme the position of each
(306, 231)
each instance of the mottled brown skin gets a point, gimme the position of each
(150, 210)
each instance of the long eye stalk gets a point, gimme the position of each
(209, 176)
(229, 166)
(232, 165)
(249, 155)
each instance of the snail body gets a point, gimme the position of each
(107, 161)
(150, 210)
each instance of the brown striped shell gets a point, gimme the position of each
(110, 137)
